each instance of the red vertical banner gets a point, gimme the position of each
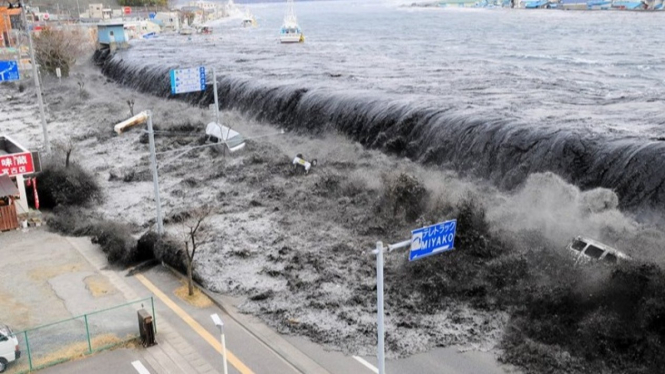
(34, 189)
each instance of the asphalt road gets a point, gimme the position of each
(252, 346)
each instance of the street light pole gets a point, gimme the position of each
(226, 369)
(218, 322)
(35, 73)
(155, 176)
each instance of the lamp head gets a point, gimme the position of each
(218, 321)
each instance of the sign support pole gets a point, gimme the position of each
(379, 308)
(33, 61)
(441, 237)
(214, 87)
(155, 176)
(380, 315)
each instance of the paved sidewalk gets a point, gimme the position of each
(172, 354)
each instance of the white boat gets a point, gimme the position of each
(186, 30)
(290, 31)
(248, 20)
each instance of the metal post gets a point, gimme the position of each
(27, 347)
(226, 369)
(154, 317)
(155, 176)
(214, 87)
(87, 333)
(36, 75)
(379, 308)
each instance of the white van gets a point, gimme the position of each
(218, 133)
(9, 350)
(585, 250)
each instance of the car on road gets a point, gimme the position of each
(9, 349)
(585, 250)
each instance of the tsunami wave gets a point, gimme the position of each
(492, 148)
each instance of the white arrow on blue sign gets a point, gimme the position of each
(9, 71)
(433, 239)
(188, 80)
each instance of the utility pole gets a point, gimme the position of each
(35, 73)
(78, 9)
(214, 87)
(155, 176)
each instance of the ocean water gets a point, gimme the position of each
(497, 93)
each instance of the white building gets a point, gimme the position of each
(170, 20)
(136, 29)
(95, 11)
(205, 5)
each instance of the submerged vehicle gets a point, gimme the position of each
(9, 349)
(221, 134)
(585, 250)
(290, 31)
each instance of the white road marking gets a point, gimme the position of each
(140, 368)
(366, 364)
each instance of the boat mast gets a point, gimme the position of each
(290, 12)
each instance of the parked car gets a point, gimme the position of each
(585, 250)
(9, 349)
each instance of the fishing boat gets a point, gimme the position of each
(290, 31)
(248, 20)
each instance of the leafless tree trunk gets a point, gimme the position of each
(190, 261)
(130, 103)
(67, 146)
(194, 236)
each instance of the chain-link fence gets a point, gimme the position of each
(62, 341)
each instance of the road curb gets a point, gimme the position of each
(273, 341)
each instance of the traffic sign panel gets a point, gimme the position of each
(433, 239)
(188, 80)
(9, 71)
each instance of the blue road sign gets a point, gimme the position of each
(433, 239)
(9, 71)
(188, 80)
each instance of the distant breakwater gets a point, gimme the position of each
(494, 149)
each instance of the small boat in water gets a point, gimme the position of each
(248, 20)
(290, 31)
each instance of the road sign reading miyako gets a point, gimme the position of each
(433, 239)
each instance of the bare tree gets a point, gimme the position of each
(130, 103)
(67, 146)
(195, 234)
(60, 48)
